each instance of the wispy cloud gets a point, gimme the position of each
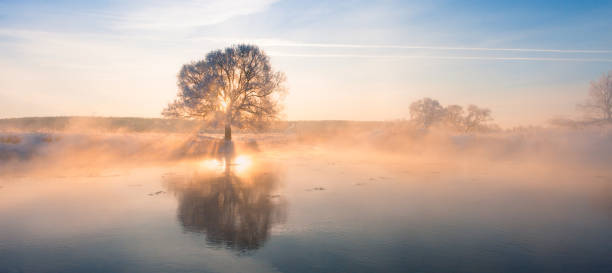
(285, 43)
(486, 58)
(447, 48)
(577, 55)
(133, 16)
(174, 14)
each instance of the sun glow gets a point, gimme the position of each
(212, 164)
(239, 164)
(242, 163)
(223, 103)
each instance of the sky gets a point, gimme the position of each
(528, 61)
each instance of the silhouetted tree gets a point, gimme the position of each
(426, 112)
(453, 117)
(476, 118)
(599, 105)
(236, 86)
(429, 112)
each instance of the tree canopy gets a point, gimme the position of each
(598, 107)
(428, 112)
(235, 86)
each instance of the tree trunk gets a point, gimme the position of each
(228, 132)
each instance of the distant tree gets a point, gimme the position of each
(453, 117)
(565, 123)
(476, 118)
(235, 86)
(598, 107)
(426, 112)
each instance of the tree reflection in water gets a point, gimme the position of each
(233, 210)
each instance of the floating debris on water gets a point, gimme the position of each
(168, 174)
(157, 193)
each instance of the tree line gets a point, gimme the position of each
(426, 113)
(598, 107)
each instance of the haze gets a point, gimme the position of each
(305, 136)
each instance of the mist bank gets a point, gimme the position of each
(80, 124)
(79, 143)
(84, 124)
(98, 124)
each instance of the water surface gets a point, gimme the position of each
(311, 210)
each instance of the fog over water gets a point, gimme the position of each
(324, 197)
(305, 136)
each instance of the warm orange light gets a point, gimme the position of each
(238, 165)
(211, 164)
(242, 163)
(223, 103)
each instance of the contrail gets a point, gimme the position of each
(287, 43)
(291, 44)
(279, 54)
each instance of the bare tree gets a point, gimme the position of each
(599, 105)
(476, 118)
(236, 86)
(453, 117)
(426, 112)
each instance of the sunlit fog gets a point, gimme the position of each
(294, 136)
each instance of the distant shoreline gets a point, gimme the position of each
(158, 125)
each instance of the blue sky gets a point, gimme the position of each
(367, 60)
